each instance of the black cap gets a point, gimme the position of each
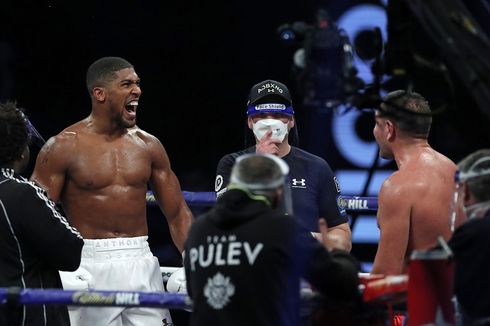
(269, 91)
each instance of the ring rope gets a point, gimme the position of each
(382, 290)
(101, 298)
(208, 198)
(96, 298)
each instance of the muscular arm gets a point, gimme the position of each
(394, 223)
(52, 163)
(168, 194)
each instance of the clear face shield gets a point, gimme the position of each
(240, 180)
(34, 135)
(475, 171)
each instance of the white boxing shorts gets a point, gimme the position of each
(118, 264)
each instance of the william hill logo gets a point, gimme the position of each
(353, 203)
(103, 299)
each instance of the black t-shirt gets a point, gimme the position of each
(244, 261)
(315, 191)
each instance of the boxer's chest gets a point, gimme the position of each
(109, 163)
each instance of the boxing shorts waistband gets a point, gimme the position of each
(115, 248)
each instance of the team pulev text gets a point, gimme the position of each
(224, 250)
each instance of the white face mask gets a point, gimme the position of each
(279, 129)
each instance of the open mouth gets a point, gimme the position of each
(131, 108)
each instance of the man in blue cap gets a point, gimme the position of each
(314, 189)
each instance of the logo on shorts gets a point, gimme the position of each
(218, 291)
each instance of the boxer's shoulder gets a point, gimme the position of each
(397, 187)
(61, 143)
(140, 134)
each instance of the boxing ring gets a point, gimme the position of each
(20, 296)
(374, 289)
(169, 300)
(377, 290)
(426, 303)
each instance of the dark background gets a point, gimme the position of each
(197, 60)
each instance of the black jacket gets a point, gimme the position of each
(244, 261)
(471, 248)
(35, 242)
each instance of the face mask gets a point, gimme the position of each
(279, 129)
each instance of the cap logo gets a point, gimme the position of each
(271, 88)
(270, 106)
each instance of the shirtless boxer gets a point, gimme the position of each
(414, 202)
(99, 169)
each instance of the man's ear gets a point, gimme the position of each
(390, 130)
(99, 94)
(291, 123)
(250, 123)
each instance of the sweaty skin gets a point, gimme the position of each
(413, 203)
(99, 169)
